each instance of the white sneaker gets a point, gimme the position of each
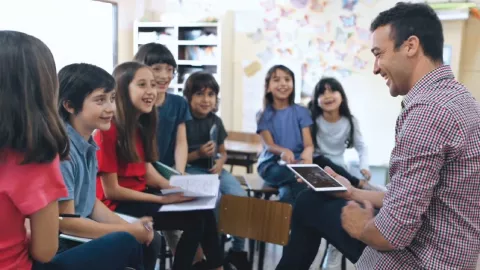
(333, 261)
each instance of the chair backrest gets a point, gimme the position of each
(244, 137)
(257, 219)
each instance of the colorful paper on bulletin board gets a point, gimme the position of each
(252, 68)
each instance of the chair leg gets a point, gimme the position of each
(261, 255)
(163, 253)
(231, 168)
(251, 251)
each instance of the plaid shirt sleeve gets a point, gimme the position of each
(425, 139)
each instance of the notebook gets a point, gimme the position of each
(165, 170)
(204, 187)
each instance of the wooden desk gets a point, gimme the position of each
(242, 153)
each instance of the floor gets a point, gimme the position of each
(273, 254)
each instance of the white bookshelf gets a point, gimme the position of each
(195, 46)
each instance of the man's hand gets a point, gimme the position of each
(217, 168)
(347, 195)
(355, 218)
(207, 150)
(366, 173)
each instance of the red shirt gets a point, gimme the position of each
(130, 175)
(24, 190)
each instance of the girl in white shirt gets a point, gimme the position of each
(335, 129)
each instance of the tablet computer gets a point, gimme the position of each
(316, 177)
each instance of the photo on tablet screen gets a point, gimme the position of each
(316, 177)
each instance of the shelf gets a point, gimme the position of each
(197, 63)
(197, 43)
(172, 25)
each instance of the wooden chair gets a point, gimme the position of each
(261, 220)
(257, 186)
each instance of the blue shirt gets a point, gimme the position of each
(80, 173)
(285, 126)
(173, 112)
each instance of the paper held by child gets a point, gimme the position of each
(204, 187)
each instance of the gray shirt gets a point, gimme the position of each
(80, 172)
(331, 138)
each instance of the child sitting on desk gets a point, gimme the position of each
(206, 149)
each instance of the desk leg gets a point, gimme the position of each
(251, 251)
(249, 169)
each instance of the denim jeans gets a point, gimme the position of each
(228, 185)
(114, 251)
(279, 176)
(316, 215)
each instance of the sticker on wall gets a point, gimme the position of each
(266, 56)
(252, 68)
(349, 21)
(286, 12)
(342, 36)
(299, 3)
(304, 21)
(355, 48)
(363, 34)
(359, 63)
(340, 55)
(322, 45)
(268, 5)
(349, 4)
(257, 36)
(318, 5)
(270, 25)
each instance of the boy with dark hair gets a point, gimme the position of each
(86, 103)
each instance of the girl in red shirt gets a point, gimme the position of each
(129, 184)
(32, 143)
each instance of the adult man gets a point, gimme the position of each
(429, 217)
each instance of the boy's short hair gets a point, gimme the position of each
(77, 81)
(199, 81)
(153, 53)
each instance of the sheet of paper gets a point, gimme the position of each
(200, 185)
(204, 203)
(74, 238)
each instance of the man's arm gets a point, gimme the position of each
(181, 148)
(426, 137)
(374, 197)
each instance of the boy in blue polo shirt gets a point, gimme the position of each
(86, 103)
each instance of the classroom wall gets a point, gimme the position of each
(470, 59)
(368, 94)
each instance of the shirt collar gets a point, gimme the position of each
(79, 142)
(443, 72)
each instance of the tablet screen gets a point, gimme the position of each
(317, 177)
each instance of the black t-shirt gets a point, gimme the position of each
(198, 134)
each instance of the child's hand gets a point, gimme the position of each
(288, 156)
(207, 150)
(366, 173)
(217, 168)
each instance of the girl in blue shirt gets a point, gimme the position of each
(285, 130)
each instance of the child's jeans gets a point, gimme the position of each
(229, 185)
(279, 176)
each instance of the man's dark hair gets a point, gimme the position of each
(77, 81)
(409, 19)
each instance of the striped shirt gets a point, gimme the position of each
(431, 211)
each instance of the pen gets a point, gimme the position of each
(61, 216)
